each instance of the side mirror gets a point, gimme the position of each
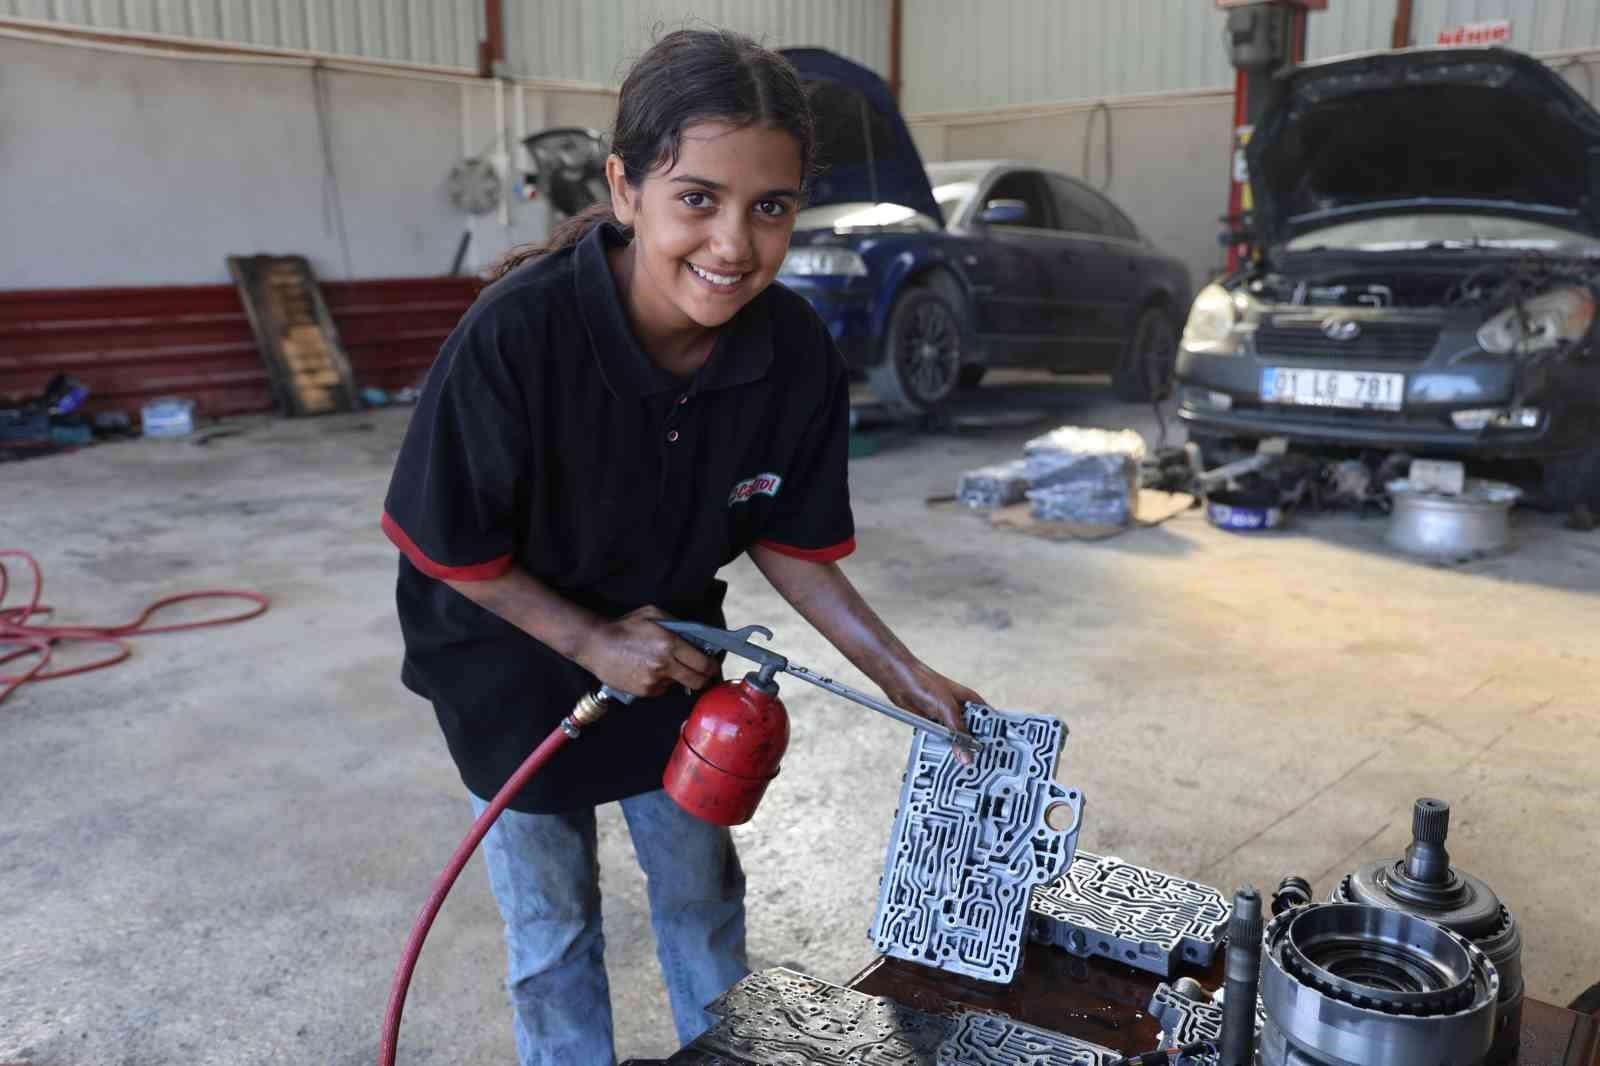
(1004, 213)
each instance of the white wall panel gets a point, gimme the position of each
(959, 55)
(441, 33)
(582, 40)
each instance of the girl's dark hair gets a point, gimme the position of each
(688, 77)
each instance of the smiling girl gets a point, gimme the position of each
(625, 411)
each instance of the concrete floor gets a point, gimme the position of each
(212, 853)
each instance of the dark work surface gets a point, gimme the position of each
(1104, 1001)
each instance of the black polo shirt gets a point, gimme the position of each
(546, 439)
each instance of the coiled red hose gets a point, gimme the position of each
(24, 637)
(441, 888)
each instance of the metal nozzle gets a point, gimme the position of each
(1242, 980)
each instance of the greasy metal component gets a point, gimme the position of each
(994, 1040)
(1241, 980)
(712, 640)
(970, 844)
(1423, 882)
(1151, 920)
(782, 1017)
(1186, 1018)
(1292, 892)
(1351, 985)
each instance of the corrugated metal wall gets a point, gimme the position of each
(1537, 26)
(571, 40)
(959, 55)
(442, 33)
(580, 40)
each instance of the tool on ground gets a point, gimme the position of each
(737, 642)
(1241, 980)
(21, 635)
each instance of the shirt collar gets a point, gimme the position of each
(742, 353)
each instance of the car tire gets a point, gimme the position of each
(1144, 370)
(922, 353)
(971, 376)
(1573, 479)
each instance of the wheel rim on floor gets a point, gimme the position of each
(930, 352)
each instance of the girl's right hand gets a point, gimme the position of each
(632, 654)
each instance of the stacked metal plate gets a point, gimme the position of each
(970, 844)
(989, 487)
(1142, 917)
(992, 1040)
(782, 1018)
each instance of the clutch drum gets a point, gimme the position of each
(1424, 883)
(1344, 984)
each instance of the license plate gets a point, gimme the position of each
(1355, 389)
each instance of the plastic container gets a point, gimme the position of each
(169, 416)
(1244, 512)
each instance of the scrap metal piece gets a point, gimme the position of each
(782, 1018)
(971, 843)
(993, 1040)
(1138, 916)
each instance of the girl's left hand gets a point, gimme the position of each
(926, 692)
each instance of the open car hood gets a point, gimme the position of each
(864, 151)
(1423, 130)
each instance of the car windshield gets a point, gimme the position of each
(1402, 233)
(953, 186)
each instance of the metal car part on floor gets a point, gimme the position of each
(1138, 916)
(993, 1040)
(1424, 883)
(971, 842)
(779, 1016)
(1350, 985)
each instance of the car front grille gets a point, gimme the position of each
(1379, 340)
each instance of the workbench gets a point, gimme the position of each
(1104, 1002)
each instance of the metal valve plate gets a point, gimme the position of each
(971, 843)
(992, 1040)
(782, 1018)
(1141, 917)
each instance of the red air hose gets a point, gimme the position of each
(24, 637)
(588, 711)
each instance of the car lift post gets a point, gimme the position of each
(1264, 37)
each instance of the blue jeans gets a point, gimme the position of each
(545, 874)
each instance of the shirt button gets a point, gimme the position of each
(672, 438)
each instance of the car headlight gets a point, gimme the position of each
(1213, 318)
(1542, 323)
(824, 262)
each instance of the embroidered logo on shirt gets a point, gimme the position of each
(761, 484)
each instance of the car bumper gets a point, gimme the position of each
(1221, 395)
(845, 306)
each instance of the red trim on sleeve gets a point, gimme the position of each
(478, 572)
(815, 555)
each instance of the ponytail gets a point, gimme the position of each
(687, 77)
(566, 235)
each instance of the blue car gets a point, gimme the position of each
(929, 276)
